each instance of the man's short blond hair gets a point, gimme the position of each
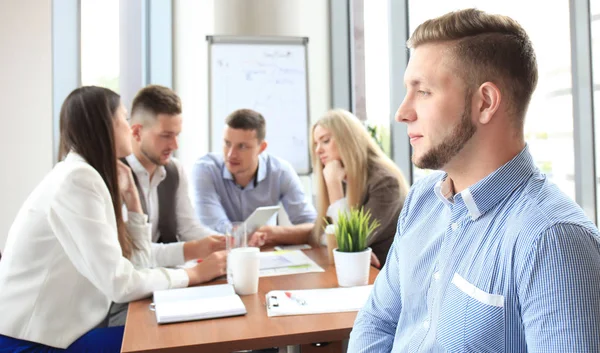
(486, 48)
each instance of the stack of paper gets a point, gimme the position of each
(197, 303)
(286, 262)
(316, 301)
(282, 258)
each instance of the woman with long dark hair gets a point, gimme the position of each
(69, 253)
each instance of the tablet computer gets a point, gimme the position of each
(259, 218)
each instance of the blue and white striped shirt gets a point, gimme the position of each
(511, 264)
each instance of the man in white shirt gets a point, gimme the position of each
(177, 236)
(162, 183)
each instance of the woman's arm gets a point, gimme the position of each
(140, 231)
(334, 175)
(82, 218)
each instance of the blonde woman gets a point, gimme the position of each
(352, 171)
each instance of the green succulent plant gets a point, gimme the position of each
(353, 228)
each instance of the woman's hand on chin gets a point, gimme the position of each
(334, 172)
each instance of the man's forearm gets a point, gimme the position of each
(296, 234)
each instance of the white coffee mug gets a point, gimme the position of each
(244, 264)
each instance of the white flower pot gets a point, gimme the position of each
(352, 268)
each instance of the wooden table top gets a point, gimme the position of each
(254, 330)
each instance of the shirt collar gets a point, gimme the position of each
(486, 193)
(73, 156)
(139, 170)
(261, 173)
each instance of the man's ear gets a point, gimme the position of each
(263, 146)
(136, 132)
(489, 99)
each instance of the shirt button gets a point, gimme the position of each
(454, 226)
(426, 324)
(436, 276)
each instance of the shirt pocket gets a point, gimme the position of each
(471, 320)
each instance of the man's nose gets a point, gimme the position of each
(405, 112)
(231, 152)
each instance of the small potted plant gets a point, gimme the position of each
(353, 256)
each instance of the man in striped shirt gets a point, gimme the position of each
(489, 255)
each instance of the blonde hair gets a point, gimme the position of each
(486, 48)
(358, 151)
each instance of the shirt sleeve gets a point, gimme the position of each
(139, 229)
(375, 326)
(558, 290)
(80, 217)
(148, 254)
(167, 255)
(188, 226)
(293, 198)
(333, 211)
(206, 199)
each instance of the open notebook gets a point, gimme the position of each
(316, 301)
(197, 303)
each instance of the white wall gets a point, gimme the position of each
(26, 101)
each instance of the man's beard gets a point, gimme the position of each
(152, 158)
(438, 156)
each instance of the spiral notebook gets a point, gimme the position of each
(196, 303)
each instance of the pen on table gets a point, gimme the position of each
(295, 298)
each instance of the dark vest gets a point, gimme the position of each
(167, 194)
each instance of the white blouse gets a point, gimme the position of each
(62, 264)
(335, 208)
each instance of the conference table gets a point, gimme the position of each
(252, 331)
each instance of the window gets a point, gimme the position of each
(377, 71)
(100, 43)
(549, 121)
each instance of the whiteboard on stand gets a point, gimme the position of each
(268, 75)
